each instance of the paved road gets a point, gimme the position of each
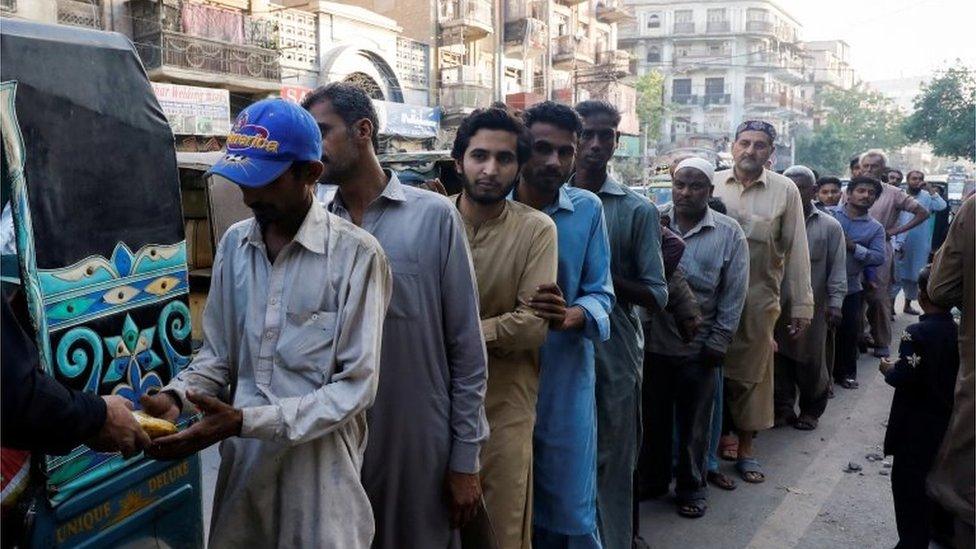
(807, 501)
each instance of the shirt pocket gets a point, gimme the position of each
(405, 302)
(703, 272)
(306, 350)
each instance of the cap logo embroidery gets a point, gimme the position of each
(245, 136)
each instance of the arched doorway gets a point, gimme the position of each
(366, 82)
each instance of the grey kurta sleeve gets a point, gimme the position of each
(358, 340)
(210, 372)
(836, 267)
(467, 359)
(793, 239)
(730, 296)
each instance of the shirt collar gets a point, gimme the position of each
(763, 178)
(394, 189)
(610, 186)
(815, 212)
(309, 235)
(707, 221)
(563, 200)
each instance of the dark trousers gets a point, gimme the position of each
(681, 395)
(845, 355)
(811, 381)
(919, 519)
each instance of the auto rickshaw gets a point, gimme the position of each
(101, 258)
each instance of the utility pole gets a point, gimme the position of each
(499, 77)
(547, 56)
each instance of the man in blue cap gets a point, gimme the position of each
(289, 364)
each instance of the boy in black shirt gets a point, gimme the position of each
(924, 378)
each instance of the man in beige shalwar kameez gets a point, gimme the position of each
(770, 211)
(513, 249)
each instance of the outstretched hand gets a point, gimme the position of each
(219, 421)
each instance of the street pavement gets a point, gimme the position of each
(807, 501)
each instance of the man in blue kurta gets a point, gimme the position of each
(914, 245)
(565, 431)
(637, 269)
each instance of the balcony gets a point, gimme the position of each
(685, 100)
(174, 51)
(80, 13)
(684, 28)
(467, 20)
(716, 99)
(716, 27)
(8, 6)
(180, 57)
(464, 89)
(761, 27)
(612, 11)
(763, 101)
(616, 62)
(525, 37)
(568, 52)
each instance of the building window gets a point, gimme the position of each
(654, 55)
(654, 21)
(756, 14)
(681, 87)
(716, 14)
(714, 86)
(684, 16)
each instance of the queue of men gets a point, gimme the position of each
(518, 365)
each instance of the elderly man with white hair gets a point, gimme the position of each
(681, 374)
(801, 363)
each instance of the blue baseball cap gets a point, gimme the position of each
(266, 138)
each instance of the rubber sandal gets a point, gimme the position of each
(692, 508)
(728, 448)
(849, 384)
(750, 465)
(721, 480)
(806, 423)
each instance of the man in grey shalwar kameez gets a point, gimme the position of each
(428, 422)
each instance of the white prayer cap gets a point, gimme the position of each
(700, 164)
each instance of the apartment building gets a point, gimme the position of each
(723, 61)
(516, 51)
(828, 67)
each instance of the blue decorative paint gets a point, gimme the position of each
(81, 359)
(132, 349)
(134, 294)
(138, 385)
(179, 326)
(123, 267)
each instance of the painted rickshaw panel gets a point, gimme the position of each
(96, 204)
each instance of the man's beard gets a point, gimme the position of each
(749, 164)
(265, 214)
(474, 196)
(547, 181)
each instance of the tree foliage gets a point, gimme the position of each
(945, 114)
(650, 103)
(855, 120)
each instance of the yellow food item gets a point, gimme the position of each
(153, 426)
